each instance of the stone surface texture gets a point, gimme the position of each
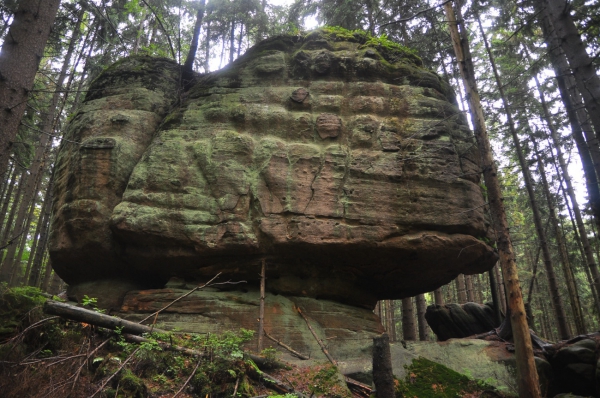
(347, 330)
(341, 161)
(460, 320)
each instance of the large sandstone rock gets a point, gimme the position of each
(338, 159)
(460, 320)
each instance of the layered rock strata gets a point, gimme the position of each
(335, 157)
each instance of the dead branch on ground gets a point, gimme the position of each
(287, 347)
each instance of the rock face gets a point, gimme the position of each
(347, 330)
(334, 156)
(460, 320)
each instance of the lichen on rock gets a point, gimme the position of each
(335, 156)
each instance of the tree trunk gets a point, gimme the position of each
(188, 66)
(49, 274)
(32, 183)
(569, 40)
(8, 227)
(461, 289)
(16, 275)
(7, 199)
(501, 289)
(542, 301)
(528, 384)
(421, 308)
(495, 296)
(38, 250)
(55, 283)
(583, 253)
(570, 191)
(470, 288)
(561, 318)
(207, 47)
(408, 320)
(562, 249)
(231, 42)
(240, 38)
(21, 54)
(261, 313)
(369, 6)
(391, 320)
(383, 377)
(562, 71)
(8, 179)
(438, 296)
(36, 169)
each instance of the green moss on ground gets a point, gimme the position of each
(19, 306)
(428, 379)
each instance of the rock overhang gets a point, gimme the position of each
(336, 157)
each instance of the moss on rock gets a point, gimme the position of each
(428, 379)
(15, 304)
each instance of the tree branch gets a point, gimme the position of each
(416, 15)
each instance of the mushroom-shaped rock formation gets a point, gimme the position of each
(334, 157)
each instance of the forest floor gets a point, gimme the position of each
(48, 356)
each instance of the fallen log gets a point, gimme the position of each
(319, 341)
(95, 318)
(359, 388)
(271, 382)
(287, 347)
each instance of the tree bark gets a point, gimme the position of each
(501, 289)
(561, 71)
(31, 184)
(8, 227)
(41, 153)
(421, 308)
(408, 320)
(69, 311)
(33, 277)
(51, 281)
(561, 317)
(562, 249)
(569, 94)
(391, 320)
(583, 253)
(207, 46)
(470, 288)
(21, 53)
(7, 199)
(438, 296)
(231, 42)
(495, 296)
(240, 38)
(528, 384)
(15, 274)
(8, 179)
(188, 66)
(383, 377)
(261, 311)
(569, 40)
(461, 289)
